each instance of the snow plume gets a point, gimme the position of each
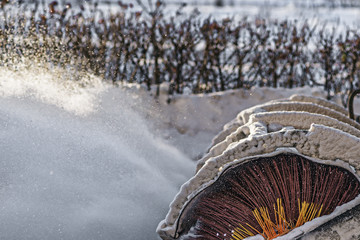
(103, 175)
(56, 86)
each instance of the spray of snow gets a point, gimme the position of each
(75, 175)
(77, 96)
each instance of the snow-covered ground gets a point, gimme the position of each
(101, 162)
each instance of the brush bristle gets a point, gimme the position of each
(230, 202)
(281, 226)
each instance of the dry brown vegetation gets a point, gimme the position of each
(186, 50)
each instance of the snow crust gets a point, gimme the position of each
(294, 103)
(291, 113)
(309, 129)
(275, 121)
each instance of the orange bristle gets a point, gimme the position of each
(269, 196)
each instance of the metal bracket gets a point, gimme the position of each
(351, 105)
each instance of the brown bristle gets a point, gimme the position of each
(259, 184)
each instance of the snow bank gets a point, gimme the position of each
(189, 122)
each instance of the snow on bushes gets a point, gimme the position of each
(191, 52)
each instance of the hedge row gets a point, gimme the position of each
(186, 50)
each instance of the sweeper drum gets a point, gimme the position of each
(279, 170)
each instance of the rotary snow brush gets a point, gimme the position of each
(277, 171)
